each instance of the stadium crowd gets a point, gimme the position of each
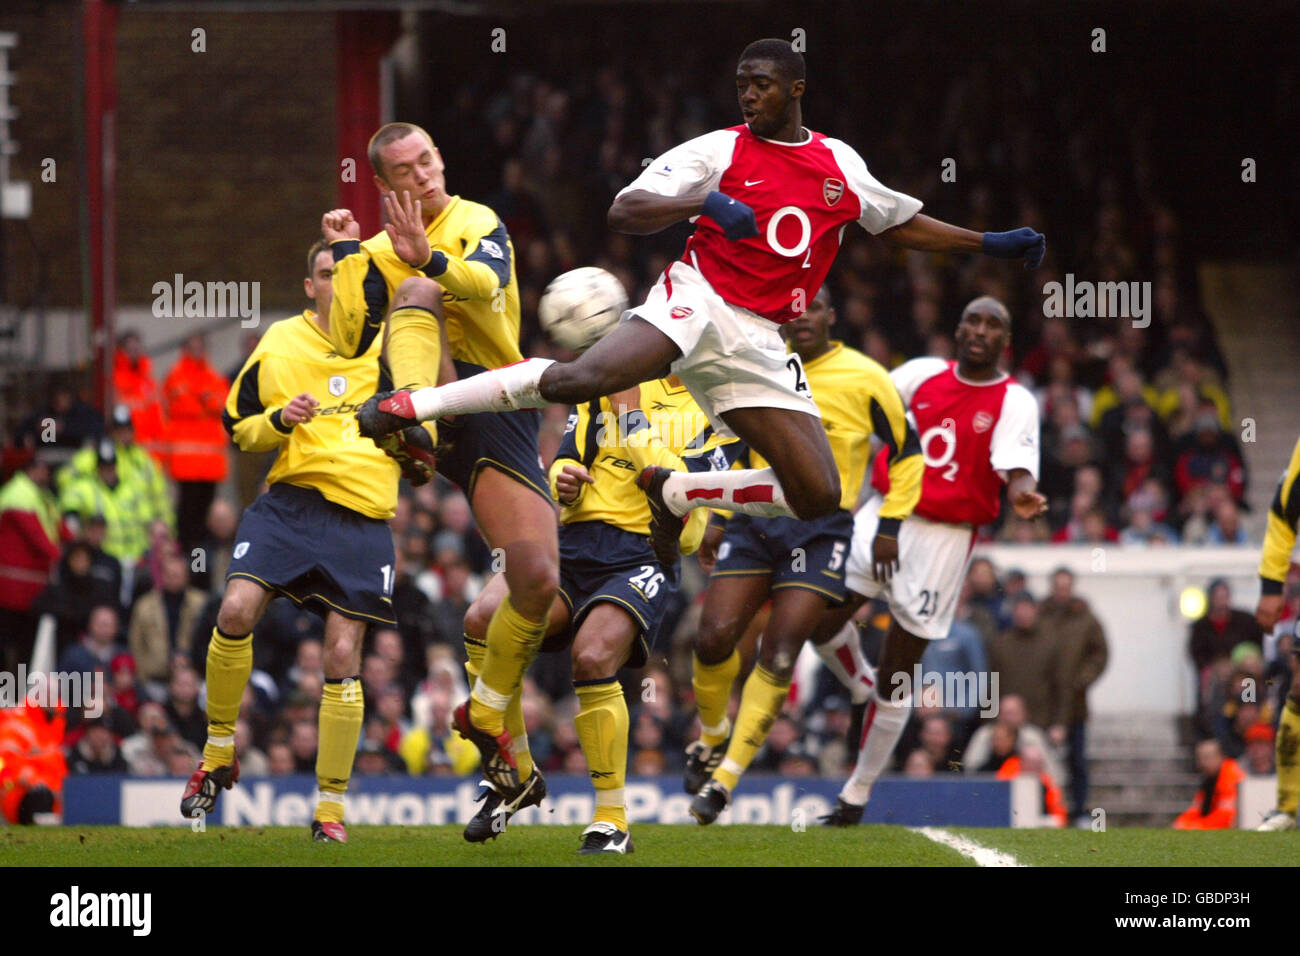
(1138, 449)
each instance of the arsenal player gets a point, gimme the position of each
(978, 431)
(770, 199)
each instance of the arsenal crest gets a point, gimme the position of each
(983, 422)
(338, 385)
(832, 190)
(681, 312)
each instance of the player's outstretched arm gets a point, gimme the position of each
(927, 234)
(641, 212)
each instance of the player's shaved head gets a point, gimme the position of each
(788, 61)
(387, 134)
(987, 305)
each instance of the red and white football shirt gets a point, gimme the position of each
(802, 194)
(972, 434)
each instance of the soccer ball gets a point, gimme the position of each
(580, 306)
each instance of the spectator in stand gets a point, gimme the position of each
(1125, 384)
(1073, 451)
(387, 642)
(1081, 655)
(308, 662)
(72, 595)
(135, 466)
(194, 397)
(217, 547)
(145, 751)
(279, 759)
(954, 657)
(66, 423)
(1210, 457)
(431, 746)
(303, 740)
(96, 751)
(30, 534)
(1215, 805)
(252, 761)
(1026, 658)
(126, 505)
(1190, 384)
(163, 621)
(1213, 638)
(1260, 751)
(411, 607)
(1011, 712)
(1227, 527)
(1030, 761)
(1138, 466)
(183, 706)
(984, 601)
(98, 647)
(918, 764)
(449, 611)
(135, 387)
(1088, 524)
(1004, 741)
(104, 568)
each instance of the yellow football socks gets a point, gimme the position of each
(475, 650)
(1288, 757)
(712, 683)
(512, 643)
(760, 705)
(342, 710)
(414, 347)
(230, 661)
(602, 725)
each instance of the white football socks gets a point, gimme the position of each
(504, 389)
(882, 727)
(750, 491)
(842, 655)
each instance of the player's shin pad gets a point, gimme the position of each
(881, 729)
(230, 662)
(475, 652)
(342, 709)
(602, 726)
(760, 705)
(712, 683)
(750, 491)
(512, 643)
(414, 347)
(505, 389)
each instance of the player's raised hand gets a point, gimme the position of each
(302, 408)
(1029, 504)
(338, 224)
(707, 553)
(405, 227)
(733, 216)
(884, 557)
(569, 482)
(1017, 243)
(1268, 610)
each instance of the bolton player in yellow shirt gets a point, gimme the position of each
(1274, 563)
(798, 564)
(319, 536)
(613, 590)
(442, 272)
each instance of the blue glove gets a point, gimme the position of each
(1016, 243)
(735, 218)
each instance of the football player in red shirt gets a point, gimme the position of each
(770, 199)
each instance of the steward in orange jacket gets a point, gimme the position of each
(1215, 804)
(135, 387)
(1032, 764)
(195, 395)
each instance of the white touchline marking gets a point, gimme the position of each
(967, 847)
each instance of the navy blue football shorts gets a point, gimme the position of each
(321, 555)
(506, 441)
(794, 553)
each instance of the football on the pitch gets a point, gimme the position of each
(580, 306)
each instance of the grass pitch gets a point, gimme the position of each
(656, 845)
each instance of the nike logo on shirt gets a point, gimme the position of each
(754, 183)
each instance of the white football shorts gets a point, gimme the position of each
(932, 562)
(731, 357)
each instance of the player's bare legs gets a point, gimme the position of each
(887, 715)
(600, 648)
(229, 664)
(342, 710)
(795, 445)
(515, 519)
